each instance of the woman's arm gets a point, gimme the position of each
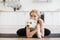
(28, 33)
(41, 27)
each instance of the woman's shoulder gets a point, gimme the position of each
(40, 19)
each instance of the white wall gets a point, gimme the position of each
(10, 22)
(52, 21)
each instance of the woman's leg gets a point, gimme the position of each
(22, 32)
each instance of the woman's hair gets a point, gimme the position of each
(35, 11)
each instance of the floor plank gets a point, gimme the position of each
(29, 39)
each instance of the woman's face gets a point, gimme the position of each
(33, 15)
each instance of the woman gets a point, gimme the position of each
(38, 27)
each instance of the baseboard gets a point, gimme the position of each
(53, 36)
(16, 36)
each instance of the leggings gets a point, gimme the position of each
(22, 32)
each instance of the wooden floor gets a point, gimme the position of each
(29, 39)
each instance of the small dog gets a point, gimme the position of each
(32, 23)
